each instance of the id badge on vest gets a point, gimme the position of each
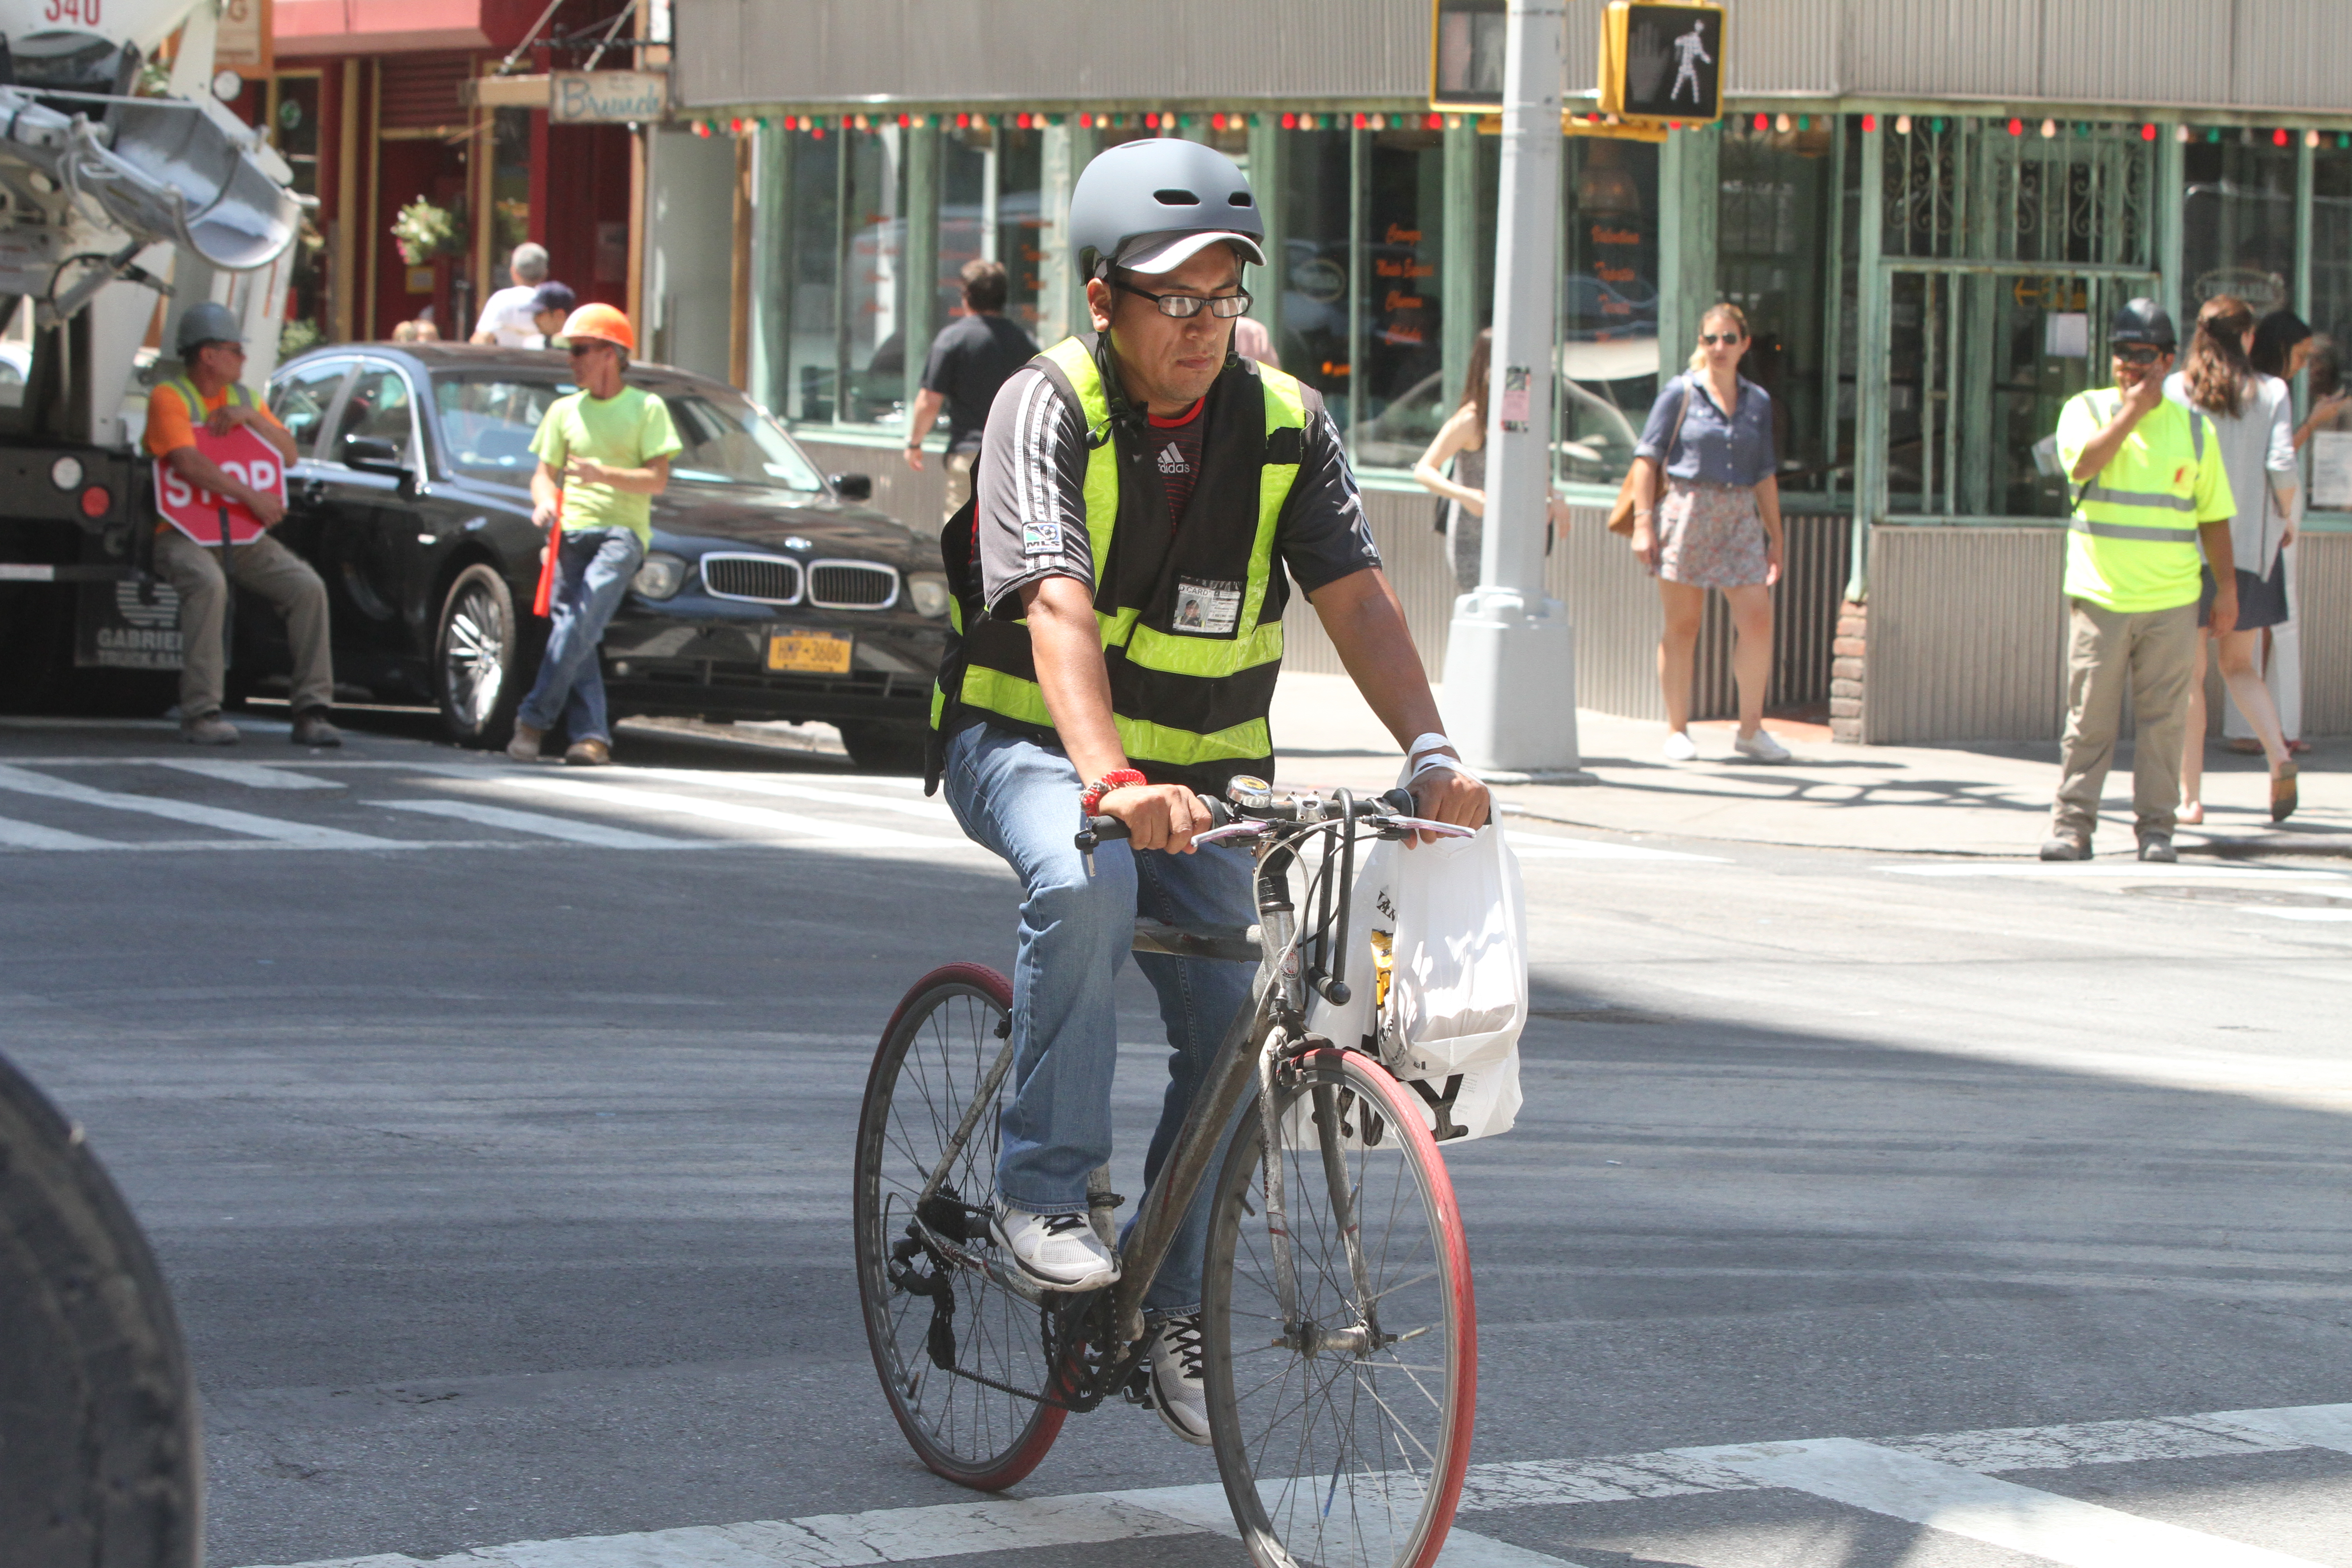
(1207, 608)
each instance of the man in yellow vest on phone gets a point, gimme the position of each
(2148, 488)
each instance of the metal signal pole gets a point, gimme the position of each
(1510, 660)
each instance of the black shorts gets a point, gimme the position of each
(2262, 600)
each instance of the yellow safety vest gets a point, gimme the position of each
(1191, 667)
(2131, 542)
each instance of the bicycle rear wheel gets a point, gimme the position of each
(1343, 1433)
(964, 1361)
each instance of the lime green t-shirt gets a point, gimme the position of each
(628, 431)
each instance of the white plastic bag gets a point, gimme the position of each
(1450, 920)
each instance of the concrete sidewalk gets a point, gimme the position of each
(1992, 799)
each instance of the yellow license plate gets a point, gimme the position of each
(810, 653)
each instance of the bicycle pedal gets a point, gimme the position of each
(1136, 1389)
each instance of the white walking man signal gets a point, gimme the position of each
(1690, 53)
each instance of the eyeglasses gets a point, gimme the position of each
(1183, 307)
(1711, 339)
(2138, 353)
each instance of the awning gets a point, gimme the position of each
(312, 28)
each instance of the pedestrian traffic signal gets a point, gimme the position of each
(1662, 63)
(1466, 54)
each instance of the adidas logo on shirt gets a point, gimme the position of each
(1171, 461)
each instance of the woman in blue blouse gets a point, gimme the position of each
(1717, 525)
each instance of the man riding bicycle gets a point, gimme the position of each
(1143, 500)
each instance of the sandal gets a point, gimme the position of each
(2282, 795)
(2192, 813)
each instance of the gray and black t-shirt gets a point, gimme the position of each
(1031, 490)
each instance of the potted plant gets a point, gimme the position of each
(426, 233)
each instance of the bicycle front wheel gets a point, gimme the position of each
(1343, 1430)
(964, 1360)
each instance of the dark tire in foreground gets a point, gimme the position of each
(963, 1361)
(477, 675)
(885, 746)
(101, 1459)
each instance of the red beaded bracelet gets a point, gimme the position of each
(1117, 778)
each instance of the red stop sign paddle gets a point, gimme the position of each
(196, 512)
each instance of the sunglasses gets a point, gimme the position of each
(1727, 339)
(576, 350)
(2138, 353)
(1183, 307)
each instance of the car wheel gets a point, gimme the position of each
(476, 660)
(884, 747)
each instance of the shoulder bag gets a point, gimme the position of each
(1620, 513)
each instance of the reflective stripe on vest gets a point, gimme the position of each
(2141, 517)
(239, 395)
(1156, 671)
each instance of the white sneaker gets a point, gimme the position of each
(1178, 1388)
(1762, 746)
(1681, 748)
(1060, 1251)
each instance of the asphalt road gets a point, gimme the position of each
(503, 1179)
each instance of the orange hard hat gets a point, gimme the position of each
(602, 321)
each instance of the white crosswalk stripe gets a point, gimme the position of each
(303, 834)
(570, 829)
(861, 800)
(609, 812)
(252, 776)
(1940, 1480)
(623, 796)
(33, 835)
(1984, 1508)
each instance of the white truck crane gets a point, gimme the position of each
(112, 201)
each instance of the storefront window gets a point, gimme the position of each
(510, 189)
(2331, 248)
(2238, 224)
(1318, 181)
(1404, 241)
(844, 238)
(812, 240)
(871, 353)
(1772, 227)
(1609, 306)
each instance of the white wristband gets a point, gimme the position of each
(1437, 759)
(1429, 743)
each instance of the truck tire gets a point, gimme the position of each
(98, 1419)
(883, 745)
(477, 660)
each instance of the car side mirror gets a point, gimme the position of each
(371, 456)
(852, 486)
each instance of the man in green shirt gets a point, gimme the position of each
(603, 454)
(2148, 488)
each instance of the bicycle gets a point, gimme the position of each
(1337, 1321)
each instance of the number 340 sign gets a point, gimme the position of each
(196, 512)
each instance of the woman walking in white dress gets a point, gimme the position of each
(2253, 417)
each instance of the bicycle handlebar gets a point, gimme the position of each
(1397, 804)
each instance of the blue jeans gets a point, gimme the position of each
(592, 571)
(1020, 799)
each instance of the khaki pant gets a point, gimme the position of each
(2156, 649)
(959, 467)
(265, 567)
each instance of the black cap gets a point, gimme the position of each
(2142, 322)
(553, 297)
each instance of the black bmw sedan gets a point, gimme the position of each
(768, 593)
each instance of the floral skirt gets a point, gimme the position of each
(1711, 536)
